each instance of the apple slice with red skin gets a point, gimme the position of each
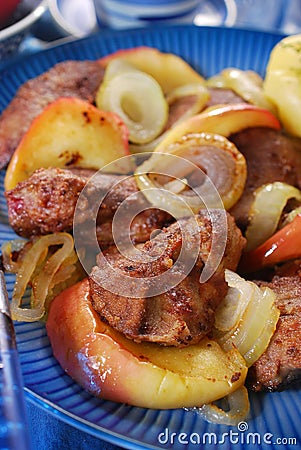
(69, 132)
(112, 367)
(168, 69)
(224, 120)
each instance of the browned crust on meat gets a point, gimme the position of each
(182, 315)
(271, 156)
(183, 104)
(79, 79)
(45, 203)
(223, 96)
(280, 364)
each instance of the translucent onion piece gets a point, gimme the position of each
(176, 186)
(237, 409)
(216, 81)
(200, 96)
(42, 280)
(266, 210)
(66, 269)
(138, 100)
(220, 160)
(7, 250)
(290, 217)
(230, 311)
(246, 83)
(220, 80)
(66, 276)
(214, 154)
(255, 321)
(261, 344)
(116, 67)
(149, 146)
(165, 197)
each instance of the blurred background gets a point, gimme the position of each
(27, 26)
(30, 25)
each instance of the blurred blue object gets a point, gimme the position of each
(68, 19)
(283, 15)
(270, 15)
(73, 18)
(63, 20)
(135, 13)
(14, 433)
(27, 13)
(50, 433)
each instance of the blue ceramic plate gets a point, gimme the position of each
(274, 420)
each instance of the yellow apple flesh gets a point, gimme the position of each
(113, 367)
(168, 69)
(69, 132)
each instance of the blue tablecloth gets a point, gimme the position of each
(47, 431)
(50, 433)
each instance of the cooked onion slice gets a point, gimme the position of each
(197, 92)
(290, 217)
(246, 83)
(137, 98)
(167, 196)
(9, 250)
(246, 318)
(116, 67)
(43, 270)
(231, 310)
(197, 95)
(237, 407)
(266, 210)
(219, 159)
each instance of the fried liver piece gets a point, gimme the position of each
(79, 79)
(45, 203)
(271, 156)
(280, 364)
(183, 314)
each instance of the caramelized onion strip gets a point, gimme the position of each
(40, 268)
(266, 209)
(236, 410)
(246, 83)
(9, 249)
(215, 155)
(136, 97)
(196, 95)
(246, 318)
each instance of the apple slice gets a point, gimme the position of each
(168, 69)
(224, 120)
(113, 367)
(69, 132)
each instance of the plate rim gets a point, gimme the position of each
(52, 408)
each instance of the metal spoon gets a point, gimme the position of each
(14, 434)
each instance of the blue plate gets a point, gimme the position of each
(274, 420)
